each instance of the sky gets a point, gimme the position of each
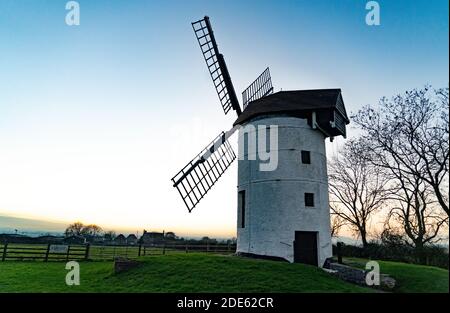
(95, 119)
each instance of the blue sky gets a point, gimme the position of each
(95, 119)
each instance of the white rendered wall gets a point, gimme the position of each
(275, 206)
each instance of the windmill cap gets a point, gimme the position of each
(326, 103)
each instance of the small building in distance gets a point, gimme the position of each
(132, 239)
(120, 240)
(94, 239)
(152, 237)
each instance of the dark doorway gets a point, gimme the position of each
(305, 247)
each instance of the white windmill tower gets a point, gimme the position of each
(284, 212)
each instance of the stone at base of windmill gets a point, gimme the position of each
(123, 264)
(358, 276)
(387, 281)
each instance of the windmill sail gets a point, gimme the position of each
(261, 87)
(216, 65)
(202, 172)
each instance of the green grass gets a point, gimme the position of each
(174, 273)
(200, 272)
(410, 277)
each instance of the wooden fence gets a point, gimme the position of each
(43, 252)
(57, 252)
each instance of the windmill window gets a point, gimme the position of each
(309, 199)
(306, 157)
(241, 207)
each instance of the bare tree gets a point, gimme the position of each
(74, 229)
(92, 230)
(357, 188)
(79, 229)
(336, 223)
(412, 131)
(407, 138)
(414, 209)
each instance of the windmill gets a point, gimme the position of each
(282, 213)
(203, 171)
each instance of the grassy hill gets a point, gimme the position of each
(192, 273)
(410, 277)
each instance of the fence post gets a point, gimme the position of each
(139, 252)
(339, 252)
(186, 248)
(5, 248)
(68, 253)
(86, 254)
(164, 248)
(207, 246)
(47, 253)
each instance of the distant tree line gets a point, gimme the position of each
(95, 233)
